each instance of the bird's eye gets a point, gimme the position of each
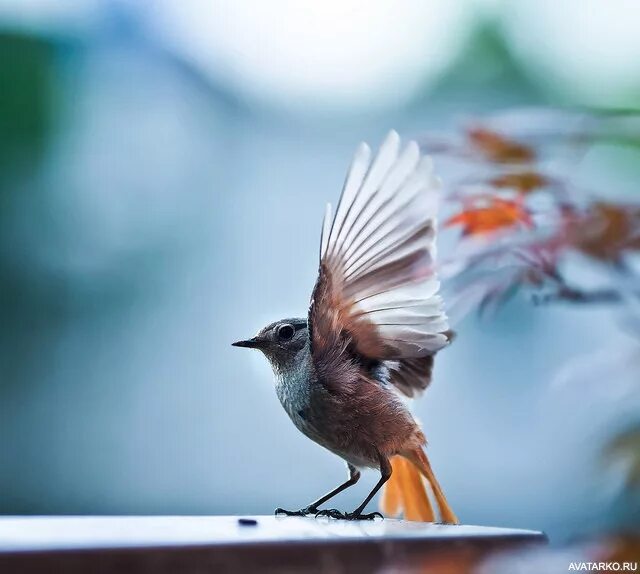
(285, 332)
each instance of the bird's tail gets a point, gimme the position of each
(406, 493)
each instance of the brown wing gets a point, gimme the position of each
(411, 376)
(377, 289)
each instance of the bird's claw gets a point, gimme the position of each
(338, 515)
(370, 516)
(331, 513)
(302, 512)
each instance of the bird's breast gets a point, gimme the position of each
(293, 392)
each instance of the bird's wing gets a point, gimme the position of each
(411, 376)
(377, 291)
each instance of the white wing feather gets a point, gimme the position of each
(381, 245)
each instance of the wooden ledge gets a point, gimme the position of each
(159, 544)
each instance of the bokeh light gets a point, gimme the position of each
(354, 54)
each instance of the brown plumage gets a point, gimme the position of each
(375, 323)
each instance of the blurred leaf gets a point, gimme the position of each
(522, 181)
(498, 148)
(488, 215)
(606, 231)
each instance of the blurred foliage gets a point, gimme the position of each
(488, 214)
(519, 216)
(26, 122)
(25, 100)
(520, 223)
(497, 148)
(607, 231)
(487, 60)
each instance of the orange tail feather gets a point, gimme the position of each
(391, 501)
(419, 458)
(405, 492)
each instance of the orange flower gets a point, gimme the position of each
(493, 215)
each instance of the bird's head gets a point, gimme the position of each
(279, 341)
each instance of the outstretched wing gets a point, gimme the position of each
(377, 291)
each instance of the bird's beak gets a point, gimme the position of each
(253, 343)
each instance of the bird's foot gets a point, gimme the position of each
(331, 513)
(370, 516)
(338, 515)
(302, 512)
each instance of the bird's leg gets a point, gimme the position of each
(385, 472)
(354, 476)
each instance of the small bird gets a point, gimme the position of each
(374, 324)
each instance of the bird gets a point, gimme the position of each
(375, 322)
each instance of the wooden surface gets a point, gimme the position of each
(187, 544)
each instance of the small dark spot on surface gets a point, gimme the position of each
(302, 415)
(247, 522)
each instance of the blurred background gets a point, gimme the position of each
(164, 168)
